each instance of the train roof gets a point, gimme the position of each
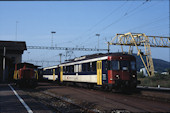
(86, 58)
(28, 64)
(97, 55)
(102, 56)
(51, 67)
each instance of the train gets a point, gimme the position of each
(106, 70)
(26, 75)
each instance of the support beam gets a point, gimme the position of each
(65, 48)
(140, 39)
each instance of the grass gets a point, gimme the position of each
(158, 79)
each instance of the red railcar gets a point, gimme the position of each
(25, 74)
(122, 71)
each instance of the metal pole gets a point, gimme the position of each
(4, 64)
(60, 57)
(16, 31)
(108, 44)
(98, 39)
(169, 31)
(28, 56)
(52, 38)
(98, 42)
(52, 41)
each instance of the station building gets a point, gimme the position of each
(12, 52)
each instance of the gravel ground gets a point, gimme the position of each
(71, 99)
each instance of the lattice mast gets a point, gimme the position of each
(140, 39)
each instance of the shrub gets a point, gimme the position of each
(140, 75)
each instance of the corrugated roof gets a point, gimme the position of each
(13, 45)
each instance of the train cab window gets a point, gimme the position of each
(133, 65)
(124, 65)
(115, 65)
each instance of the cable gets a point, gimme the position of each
(100, 21)
(125, 14)
(145, 25)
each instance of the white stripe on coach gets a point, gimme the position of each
(84, 61)
(21, 100)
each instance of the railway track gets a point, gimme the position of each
(57, 103)
(125, 97)
(71, 99)
(158, 89)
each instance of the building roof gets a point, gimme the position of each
(13, 45)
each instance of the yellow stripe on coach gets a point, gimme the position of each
(61, 74)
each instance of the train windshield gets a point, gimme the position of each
(124, 65)
(133, 65)
(114, 65)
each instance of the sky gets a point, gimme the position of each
(76, 24)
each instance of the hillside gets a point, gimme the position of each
(159, 65)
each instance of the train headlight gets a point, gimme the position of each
(133, 76)
(117, 76)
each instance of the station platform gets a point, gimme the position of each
(10, 103)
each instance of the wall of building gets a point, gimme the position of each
(16, 58)
(9, 69)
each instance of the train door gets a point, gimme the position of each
(99, 72)
(104, 72)
(61, 74)
(54, 75)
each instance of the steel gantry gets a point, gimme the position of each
(140, 39)
(65, 48)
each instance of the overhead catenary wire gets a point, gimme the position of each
(99, 22)
(146, 24)
(86, 40)
(128, 14)
(122, 17)
(119, 19)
